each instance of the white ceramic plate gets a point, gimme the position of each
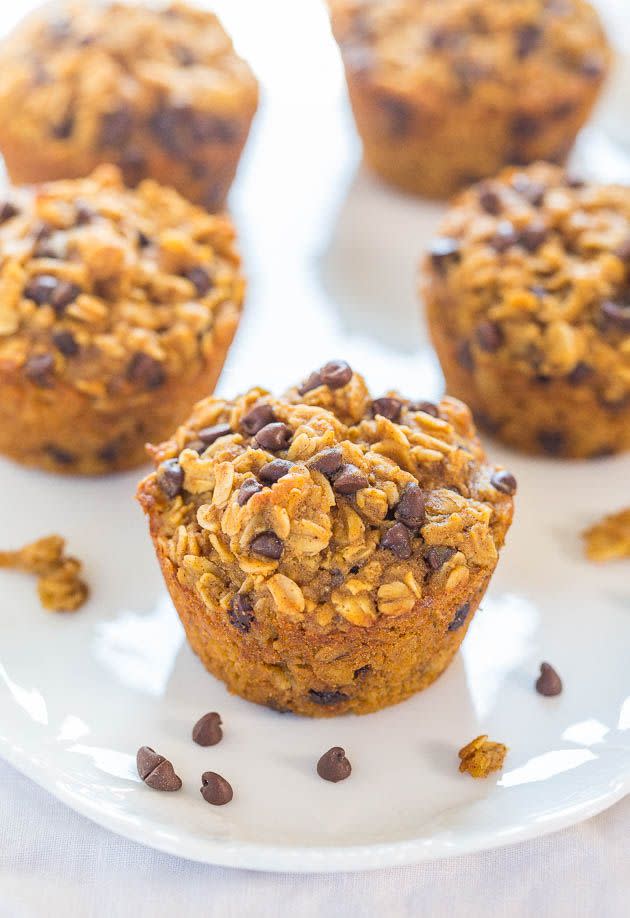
(331, 255)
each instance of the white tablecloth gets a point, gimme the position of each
(56, 863)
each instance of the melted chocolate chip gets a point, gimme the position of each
(328, 462)
(549, 682)
(275, 470)
(334, 766)
(504, 481)
(215, 789)
(146, 371)
(170, 478)
(460, 617)
(438, 555)
(208, 435)
(444, 251)
(398, 541)
(388, 407)
(247, 490)
(66, 343)
(241, 612)
(327, 698)
(257, 418)
(411, 506)
(349, 479)
(156, 771)
(274, 437)
(489, 336)
(268, 545)
(207, 731)
(38, 368)
(200, 279)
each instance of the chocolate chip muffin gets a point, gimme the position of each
(446, 92)
(157, 90)
(117, 308)
(326, 551)
(528, 297)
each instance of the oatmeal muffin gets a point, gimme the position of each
(446, 92)
(528, 297)
(326, 551)
(117, 308)
(159, 91)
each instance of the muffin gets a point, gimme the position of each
(528, 298)
(326, 551)
(446, 92)
(117, 308)
(158, 91)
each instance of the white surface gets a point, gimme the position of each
(331, 256)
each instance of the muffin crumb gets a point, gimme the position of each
(482, 756)
(59, 585)
(609, 539)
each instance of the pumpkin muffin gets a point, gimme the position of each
(326, 551)
(446, 92)
(117, 308)
(528, 298)
(159, 91)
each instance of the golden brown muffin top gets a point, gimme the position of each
(326, 505)
(455, 46)
(110, 290)
(533, 271)
(80, 71)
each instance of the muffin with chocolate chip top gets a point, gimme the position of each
(446, 92)
(326, 551)
(117, 308)
(159, 91)
(528, 297)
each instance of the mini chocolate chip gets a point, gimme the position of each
(349, 479)
(438, 555)
(241, 612)
(579, 374)
(388, 407)
(215, 789)
(249, 487)
(504, 481)
(527, 39)
(429, 408)
(275, 470)
(64, 294)
(274, 437)
(66, 343)
(328, 462)
(335, 374)
(398, 541)
(326, 698)
(489, 336)
(490, 201)
(61, 456)
(257, 418)
(116, 128)
(208, 435)
(334, 766)
(616, 314)
(313, 382)
(207, 731)
(505, 237)
(460, 617)
(411, 506)
(549, 682)
(156, 771)
(38, 369)
(145, 371)
(465, 357)
(41, 288)
(7, 210)
(200, 279)
(268, 545)
(525, 126)
(443, 252)
(170, 477)
(553, 442)
(533, 236)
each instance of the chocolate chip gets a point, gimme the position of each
(549, 682)
(207, 731)
(443, 252)
(64, 294)
(268, 545)
(398, 114)
(83, 214)
(170, 477)
(397, 540)
(116, 128)
(38, 368)
(527, 39)
(215, 789)
(532, 191)
(388, 407)
(145, 371)
(257, 418)
(327, 698)
(574, 181)
(208, 435)
(7, 210)
(579, 374)
(274, 437)
(362, 671)
(275, 470)
(200, 279)
(66, 343)
(460, 617)
(504, 481)
(334, 766)
(156, 771)
(335, 374)
(489, 336)
(59, 455)
(525, 126)
(313, 382)
(41, 288)
(64, 128)
(172, 125)
(249, 487)
(465, 357)
(110, 452)
(533, 236)
(328, 462)
(470, 71)
(184, 56)
(438, 555)
(616, 314)
(490, 201)
(553, 442)
(143, 240)
(429, 408)
(592, 66)
(349, 479)
(241, 612)
(133, 163)
(505, 237)
(411, 506)
(207, 128)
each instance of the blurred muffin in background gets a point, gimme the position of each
(158, 91)
(446, 92)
